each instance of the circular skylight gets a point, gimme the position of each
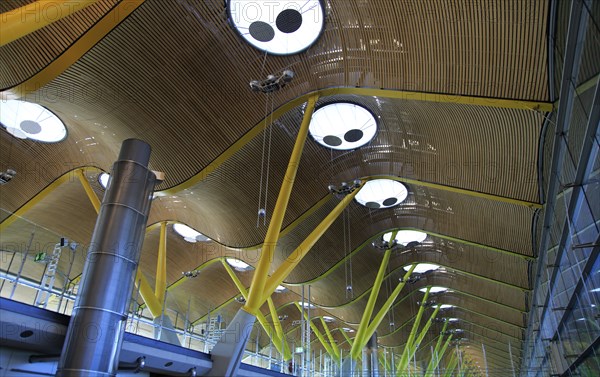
(27, 120)
(434, 289)
(280, 288)
(328, 319)
(381, 193)
(238, 264)
(306, 305)
(342, 126)
(451, 319)
(189, 234)
(103, 179)
(446, 306)
(347, 329)
(404, 237)
(423, 267)
(278, 27)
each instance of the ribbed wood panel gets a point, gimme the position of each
(24, 57)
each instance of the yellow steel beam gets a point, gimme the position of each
(82, 45)
(411, 337)
(297, 255)
(89, 190)
(23, 21)
(424, 331)
(161, 264)
(350, 341)
(359, 340)
(437, 355)
(279, 330)
(257, 288)
(334, 346)
(318, 333)
(154, 306)
(259, 316)
(388, 303)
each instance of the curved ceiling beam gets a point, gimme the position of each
(70, 56)
(25, 20)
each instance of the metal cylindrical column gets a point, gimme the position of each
(370, 358)
(95, 333)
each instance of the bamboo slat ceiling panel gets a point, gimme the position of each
(24, 57)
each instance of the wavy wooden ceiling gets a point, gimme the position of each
(175, 77)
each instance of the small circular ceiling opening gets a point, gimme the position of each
(434, 289)
(404, 237)
(422, 268)
(282, 27)
(26, 120)
(103, 179)
(343, 126)
(381, 193)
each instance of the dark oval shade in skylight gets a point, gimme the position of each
(342, 126)
(27, 120)
(381, 193)
(278, 27)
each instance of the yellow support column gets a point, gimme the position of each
(89, 190)
(421, 336)
(161, 265)
(411, 337)
(257, 288)
(279, 330)
(22, 21)
(148, 296)
(359, 340)
(332, 342)
(296, 256)
(318, 333)
(350, 342)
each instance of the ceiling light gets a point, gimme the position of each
(103, 179)
(381, 193)
(404, 237)
(423, 267)
(280, 288)
(342, 126)
(328, 319)
(434, 289)
(189, 234)
(238, 264)
(347, 329)
(27, 120)
(278, 27)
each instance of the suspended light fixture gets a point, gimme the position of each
(278, 27)
(404, 237)
(342, 126)
(421, 268)
(27, 120)
(189, 234)
(381, 193)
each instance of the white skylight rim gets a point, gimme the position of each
(343, 126)
(381, 193)
(421, 268)
(282, 27)
(27, 120)
(434, 289)
(237, 264)
(103, 179)
(189, 234)
(404, 237)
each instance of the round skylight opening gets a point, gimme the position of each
(347, 329)
(189, 234)
(342, 126)
(446, 306)
(381, 193)
(452, 319)
(328, 319)
(404, 237)
(103, 179)
(26, 120)
(434, 289)
(282, 27)
(238, 264)
(306, 305)
(280, 288)
(421, 268)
